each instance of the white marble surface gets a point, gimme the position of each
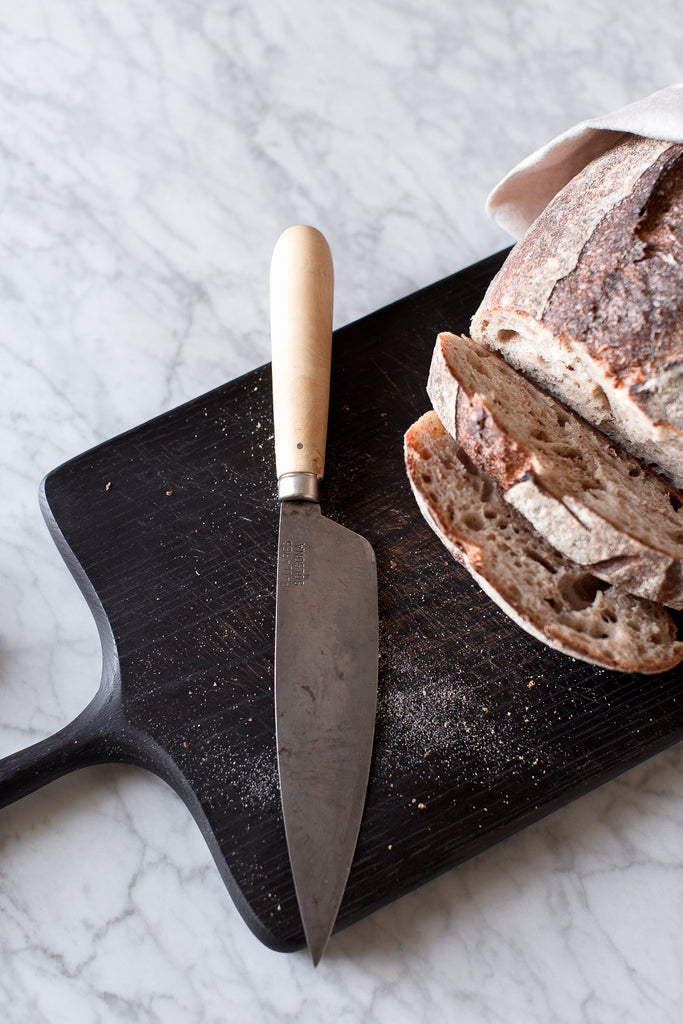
(150, 153)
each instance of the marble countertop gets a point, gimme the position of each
(150, 154)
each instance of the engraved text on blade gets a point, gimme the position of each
(292, 564)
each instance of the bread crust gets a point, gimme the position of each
(599, 277)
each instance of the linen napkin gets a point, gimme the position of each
(527, 189)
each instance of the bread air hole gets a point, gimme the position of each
(506, 337)
(473, 521)
(486, 490)
(675, 501)
(600, 398)
(570, 453)
(580, 591)
(535, 557)
(465, 460)
(420, 450)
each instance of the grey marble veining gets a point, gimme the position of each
(150, 154)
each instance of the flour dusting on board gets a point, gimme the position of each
(460, 722)
(260, 782)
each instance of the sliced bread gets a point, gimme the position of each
(590, 499)
(590, 302)
(549, 596)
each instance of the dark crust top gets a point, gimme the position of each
(624, 299)
(553, 244)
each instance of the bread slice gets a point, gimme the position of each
(592, 501)
(590, 302)
(549, 596)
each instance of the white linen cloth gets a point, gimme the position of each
(527, 189)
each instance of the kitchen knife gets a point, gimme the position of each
(326, 620)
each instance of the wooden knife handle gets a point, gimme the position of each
(301, 298)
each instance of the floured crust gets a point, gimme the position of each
(550, 597)
(590, 302)
(592, 501)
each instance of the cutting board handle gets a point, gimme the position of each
(301, 299)
(81, 743)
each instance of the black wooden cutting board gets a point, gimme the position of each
(171, 532)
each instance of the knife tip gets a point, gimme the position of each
(317, 944)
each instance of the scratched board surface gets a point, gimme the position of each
(171, 531)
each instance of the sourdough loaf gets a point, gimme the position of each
(549, 596)
(590, 302)
(590, 499)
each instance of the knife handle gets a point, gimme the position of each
(301, 299)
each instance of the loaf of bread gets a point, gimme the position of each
(577, 540)
(590, 302)
(591, 500)
(553, 599)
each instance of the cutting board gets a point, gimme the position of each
(171, 532)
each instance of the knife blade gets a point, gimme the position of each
(326, 618)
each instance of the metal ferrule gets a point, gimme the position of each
(298, 487)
